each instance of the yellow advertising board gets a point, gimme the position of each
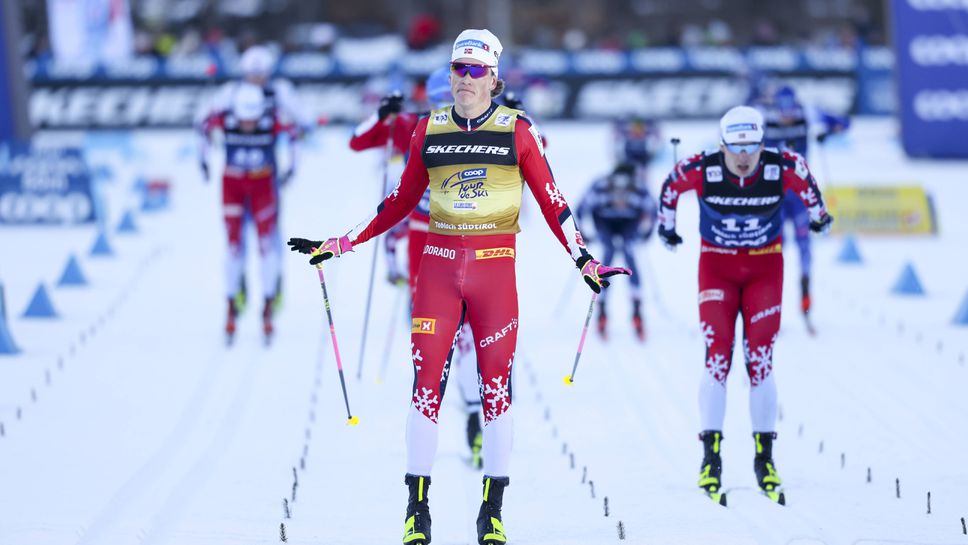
(881, 210)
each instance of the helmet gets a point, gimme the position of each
(257, 61)
(249, 102)
(438, 87)
(785, 98)
(741, 124)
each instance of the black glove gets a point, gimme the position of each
(303, 246)
(669, 237)
(512, 101)
(204, 166)
(822, 226)
(390, 104)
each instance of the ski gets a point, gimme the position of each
(718, 497)
(776, 496)
(812, 331)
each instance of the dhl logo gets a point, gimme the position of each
(491, 253)
(426, 326)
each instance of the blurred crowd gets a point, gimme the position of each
(222, 29)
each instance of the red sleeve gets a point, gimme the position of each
(373, 133)
(798, 179)
(537, 173)
(213, 121)
(687, 176)
(404, 197)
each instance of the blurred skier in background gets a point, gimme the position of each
(251, 128)
(620, 208)
(258, 65)
(740, 189)
(391, 126)
(789, 125)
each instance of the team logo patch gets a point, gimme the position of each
(772, 172)
(740, 127)
(774, 249)
(714, 174)
(492, 253)
(503, 120)
(441, 118)
(706, 296)
(425, 326)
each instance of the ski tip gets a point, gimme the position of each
(353, 421)
(568, 380)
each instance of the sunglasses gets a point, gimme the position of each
(461, 69)
(740, 148)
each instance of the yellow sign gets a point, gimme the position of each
(875, 210)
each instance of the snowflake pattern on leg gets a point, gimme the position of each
(415, 356)
(759, 361)
(718, 367)
(707, 333)
(498, 397)
(425, 404)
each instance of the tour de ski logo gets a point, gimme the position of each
(469, 183)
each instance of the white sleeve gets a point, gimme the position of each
(290, 105)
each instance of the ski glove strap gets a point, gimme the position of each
(595, 274)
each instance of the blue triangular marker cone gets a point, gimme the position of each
(72, 276)
(7, 346)
(101, 246)
(908, 283)
(127, 224)
(849, 253)
(40, 305)
(961, 317)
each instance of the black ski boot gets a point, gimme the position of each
(231, 315)
(475, 438)
(602, 321)
(712, 466)
(267, 328)
(764, 468)
(416, 529)
(490, 529)
(637, 321)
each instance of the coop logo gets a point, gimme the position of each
(500, 334)
(447, 253)
(424, 326)
(493, 253)
(939, 50)
(942, 105)
(468, 183)
(463, 148)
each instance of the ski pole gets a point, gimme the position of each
(675, 150)
(350, 419)
(387, 152)
(570, 379)
(390, 335)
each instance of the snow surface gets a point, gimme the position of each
(127, 420)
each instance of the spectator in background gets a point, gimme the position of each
(424, 31)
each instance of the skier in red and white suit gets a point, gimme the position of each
(251, 129)
(389, 124)
(475, 157)
(740, 189)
